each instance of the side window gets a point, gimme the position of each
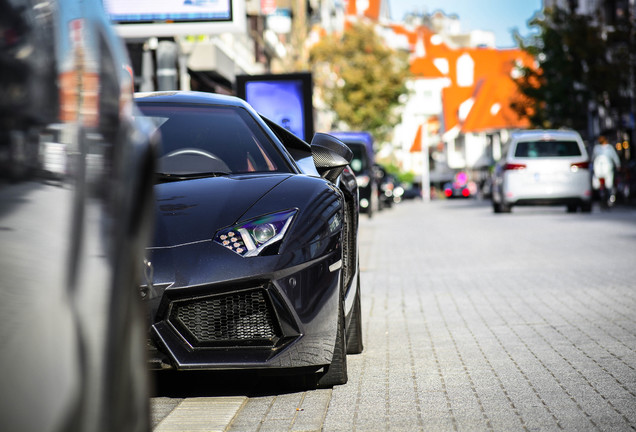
(288, 139)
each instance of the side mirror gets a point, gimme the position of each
(330, 155)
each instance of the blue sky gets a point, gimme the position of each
(498, 16)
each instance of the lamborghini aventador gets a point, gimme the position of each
(254, 263)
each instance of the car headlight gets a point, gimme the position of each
(249, 238)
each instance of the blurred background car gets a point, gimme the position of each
(543, 167)
(626, 183)
(410, 192)
(388, 190)
(76, 176)
(255, 255)
(460, 187)
(364, 167)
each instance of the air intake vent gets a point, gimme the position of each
(242, 318)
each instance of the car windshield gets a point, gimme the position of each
(542, 149)
(201, 140)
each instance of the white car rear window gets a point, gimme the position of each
(541, 149)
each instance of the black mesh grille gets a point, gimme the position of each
(241, 318)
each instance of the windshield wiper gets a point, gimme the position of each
(169, 177)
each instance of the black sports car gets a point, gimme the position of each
(254, 261)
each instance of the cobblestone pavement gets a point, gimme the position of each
(480, 322)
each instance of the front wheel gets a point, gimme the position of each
(586, 207)
(501, 207)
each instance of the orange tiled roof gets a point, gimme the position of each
(495, 92)
(424, 67)
(372, 11)
(491, 109)
(491, 91)
(452, 98)
(401, 30)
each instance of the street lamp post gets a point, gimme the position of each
(426, 178)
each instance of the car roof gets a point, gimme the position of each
(544, 133)
(189, 97)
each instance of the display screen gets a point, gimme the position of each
(281, 102)
(284, 99)
(126, 11)
(157, 18)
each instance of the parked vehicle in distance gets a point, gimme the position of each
(363, 165)
(460, 187)
(626, 182)
(255, 255)
(411, 192)
(388, 191)
(76, 201)
(543, 167)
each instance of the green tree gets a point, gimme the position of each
(361, 79)
(580, 64)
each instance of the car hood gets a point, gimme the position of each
(193, 210)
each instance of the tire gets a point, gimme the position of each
(336, 372)
(586, 207)
(354, 331)
(572, 208)
(501, 207)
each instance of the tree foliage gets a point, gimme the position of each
(580, 64)
(360, 79)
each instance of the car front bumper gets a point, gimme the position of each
(286, 319)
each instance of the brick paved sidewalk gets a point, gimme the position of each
(482, 322)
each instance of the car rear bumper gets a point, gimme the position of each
(522, 189)
(551, 201)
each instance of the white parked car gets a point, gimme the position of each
(543, 167)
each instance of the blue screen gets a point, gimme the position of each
(280, 101)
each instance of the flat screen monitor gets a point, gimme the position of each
(156, 18)
(286, 99)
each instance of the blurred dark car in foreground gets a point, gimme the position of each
(255, 257)
(543, 167)
(75, 219)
